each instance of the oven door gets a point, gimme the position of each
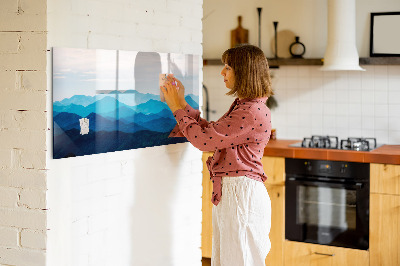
(327, 213)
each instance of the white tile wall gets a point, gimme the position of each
(313, 102)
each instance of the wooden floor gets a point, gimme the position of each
(206, 261)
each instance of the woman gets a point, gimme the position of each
(242, 208)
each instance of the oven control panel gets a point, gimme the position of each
(338, 169)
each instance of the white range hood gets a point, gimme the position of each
(341, 51)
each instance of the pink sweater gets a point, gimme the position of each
(238, 139)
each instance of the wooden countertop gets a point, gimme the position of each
(389, 154)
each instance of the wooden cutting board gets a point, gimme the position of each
(239, 35)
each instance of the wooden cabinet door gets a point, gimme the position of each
(206, 225)
(277, 233)
(274, 168)
(385, 178)
(305, 254)
(384, 236)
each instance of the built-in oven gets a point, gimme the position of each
(327, 202)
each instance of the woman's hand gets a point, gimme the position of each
(173, 96)
(181, 92)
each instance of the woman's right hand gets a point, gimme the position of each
(181, 91)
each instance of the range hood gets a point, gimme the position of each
(341, 51)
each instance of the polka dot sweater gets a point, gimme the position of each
(238, 139)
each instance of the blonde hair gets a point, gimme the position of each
(250, 66)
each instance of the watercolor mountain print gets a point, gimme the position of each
(109, 100)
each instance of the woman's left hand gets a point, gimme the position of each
(171, 96)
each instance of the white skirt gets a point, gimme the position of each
(241, 223)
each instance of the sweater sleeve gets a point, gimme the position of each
(231, 130)
(193, 113)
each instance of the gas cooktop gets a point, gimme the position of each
(332, 142)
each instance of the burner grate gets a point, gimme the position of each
(358, 144)
(327, 142)
(332, 142)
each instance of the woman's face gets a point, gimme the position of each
(229, 76)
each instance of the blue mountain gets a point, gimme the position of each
(165, 113)
(190, 99)
(106, 105)
(71, 108)
(123, 112)
(67, 121)
(71, 143)
(103, 106)
(98, 123)
(160, 125)
(133, 97)
(151, 107)
(140, 118)
(76, 99)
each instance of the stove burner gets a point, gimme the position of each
(358, 144)
(328, 142)
(332, 142)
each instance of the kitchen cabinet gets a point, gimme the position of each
(206, 225)
(274, 168)
(277, 233)
(385, 230)
(385, 178)
(385, 214)
(305, 254)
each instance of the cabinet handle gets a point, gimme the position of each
(325, 254)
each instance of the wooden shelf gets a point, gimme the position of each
(380, 61)
(273, 62)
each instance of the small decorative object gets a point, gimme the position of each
(384, 41)
(273, 134)
(297, 49)
(271, 102)
(259, 26)
(276, 38)
(239, 35)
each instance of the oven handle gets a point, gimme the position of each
(357, 185)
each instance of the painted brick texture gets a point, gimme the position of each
(23, 218)
(103, 197)
(136, 207)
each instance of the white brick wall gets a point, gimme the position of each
(136, 207)
(33, 239)
(9, 237)
(23, 132)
